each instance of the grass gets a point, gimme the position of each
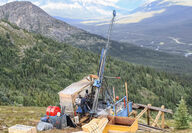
(11, 115)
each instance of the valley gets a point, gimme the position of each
(167, 30)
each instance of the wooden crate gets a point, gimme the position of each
(95, 125)
(22, 129)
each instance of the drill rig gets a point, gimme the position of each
(98, 82)
(73, 97)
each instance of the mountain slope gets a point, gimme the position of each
(32, 18)
(33, 69)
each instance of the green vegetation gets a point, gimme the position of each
(33, 69)
(12, 115)
(128, 52)
(181, 115)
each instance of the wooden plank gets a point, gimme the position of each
(102, 123)
(114, 95)
(157, 117)
(154, 120)
(114, 100)
(83, 119)
(150, 128)
(95, 125)
(142, 112)
(134, 113)
(121, 120)
(163, 120)
(126, 89)
(94, 76)
(138, 106)
(148, 116)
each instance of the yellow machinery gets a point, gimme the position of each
(119, 124)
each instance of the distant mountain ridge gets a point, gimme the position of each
(32, 18)
(169, 31)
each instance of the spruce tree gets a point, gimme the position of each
(181, 115)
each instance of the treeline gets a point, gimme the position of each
(35, 77)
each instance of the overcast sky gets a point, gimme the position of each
(82, 9)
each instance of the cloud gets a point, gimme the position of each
(99, 11)
(2, 2)
(179, 2)
(86, 9)
(137, 17)
(60, 6)
(98, 2)
(8, 1)
(37, 3)
(132, 18)
(149, 1)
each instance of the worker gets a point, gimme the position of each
(78, 100)
(58, 120)
(86, 94)
(83, 104)
(88, 99)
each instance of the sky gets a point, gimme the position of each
(79, 9)
(89, 9)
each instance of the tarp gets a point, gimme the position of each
(75, 87)
(43, 126)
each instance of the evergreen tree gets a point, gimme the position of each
(181, 116)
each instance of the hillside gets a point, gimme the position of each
(33, 69)
(32, 18)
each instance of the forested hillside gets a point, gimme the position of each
(32, 18)
(33, 69)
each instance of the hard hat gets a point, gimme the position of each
(117, 97)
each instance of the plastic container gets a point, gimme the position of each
(52, 110)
